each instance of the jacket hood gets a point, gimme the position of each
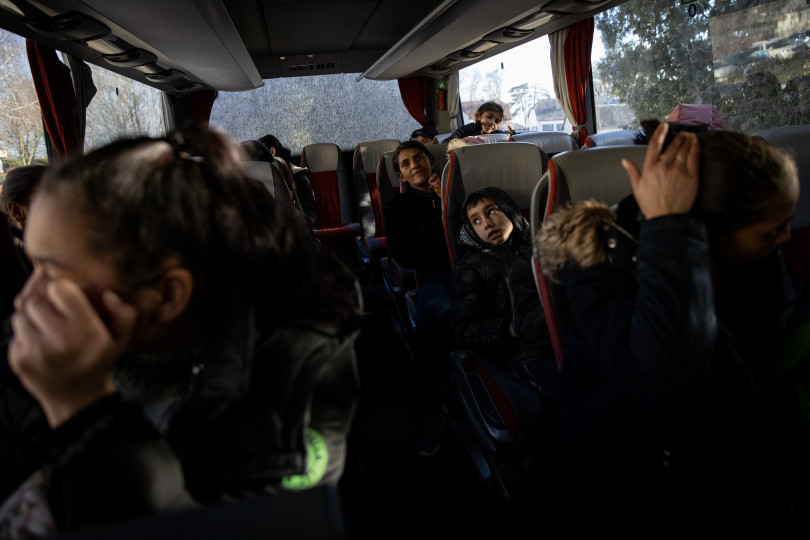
(586, 234)
(468, 238)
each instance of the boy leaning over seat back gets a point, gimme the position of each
(496, 309)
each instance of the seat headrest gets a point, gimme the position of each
(514, 167)
(598, 173)
(321, 157)
(367, 154)
(550, 142)
(620, 137)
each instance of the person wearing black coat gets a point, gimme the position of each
(667, 411)
(496, 307)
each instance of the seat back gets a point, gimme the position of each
(550, 142)
(330, 183)
(262, 172)
(495, 137)
(440, 137)
(439, 152)
(514, 167)
(573, 177)
(796, 140)
(364, 164)
(620, 137)
(388, 183)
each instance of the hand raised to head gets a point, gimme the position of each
(669, 182)
(62, 351)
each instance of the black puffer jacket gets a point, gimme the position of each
(657, 414)
(494, 288)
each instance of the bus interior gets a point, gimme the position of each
(342, 83)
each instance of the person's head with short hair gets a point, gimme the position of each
(413, 164)
(18, 190)
(490, 114)
(275, 147)
(421, 137)
(255, 151)
(492, 215)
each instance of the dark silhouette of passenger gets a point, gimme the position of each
(667, 412)
(415, 236)
(185, 341)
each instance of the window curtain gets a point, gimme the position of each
(85, 91)
(452, 100)
(414, 91)
(571, 67)
(200, 105)
(57, 100)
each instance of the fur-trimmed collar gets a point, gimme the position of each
(586, 234)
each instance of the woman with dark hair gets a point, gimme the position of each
(666, 410)
(183, 338)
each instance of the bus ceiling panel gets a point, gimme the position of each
(316, 27)
(196, 36)
(459, 25)
(542, 24)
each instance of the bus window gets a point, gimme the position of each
(520, 80)
(121, 107)
(21, 137)
(751, 60)
(314, 109)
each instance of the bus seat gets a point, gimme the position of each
(514, 167)
(620, 137)
(365, 164)
(440, 137)
(337, 227)
(550, 142)
(262, 172)
(332, 187)
(439, 152)
(796, 252)
(573, 177)
(495, 137)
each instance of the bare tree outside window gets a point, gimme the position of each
(21, 135)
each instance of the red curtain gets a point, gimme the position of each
(57, 100)
(200, 104)
(414, 91)
(577, 70)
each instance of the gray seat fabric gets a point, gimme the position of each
(575, 176)
(330, 183)
(571, 177)
(261, 171)
(621, 137)
(796, 141)
(366, 159)
(388, 183)
(550, 142)
(514, 167)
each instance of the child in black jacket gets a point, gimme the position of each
(496, 307)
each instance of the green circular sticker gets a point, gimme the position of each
(317, 460)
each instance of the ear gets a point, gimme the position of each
(17, 213)
(272, 151)
(175, 289)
